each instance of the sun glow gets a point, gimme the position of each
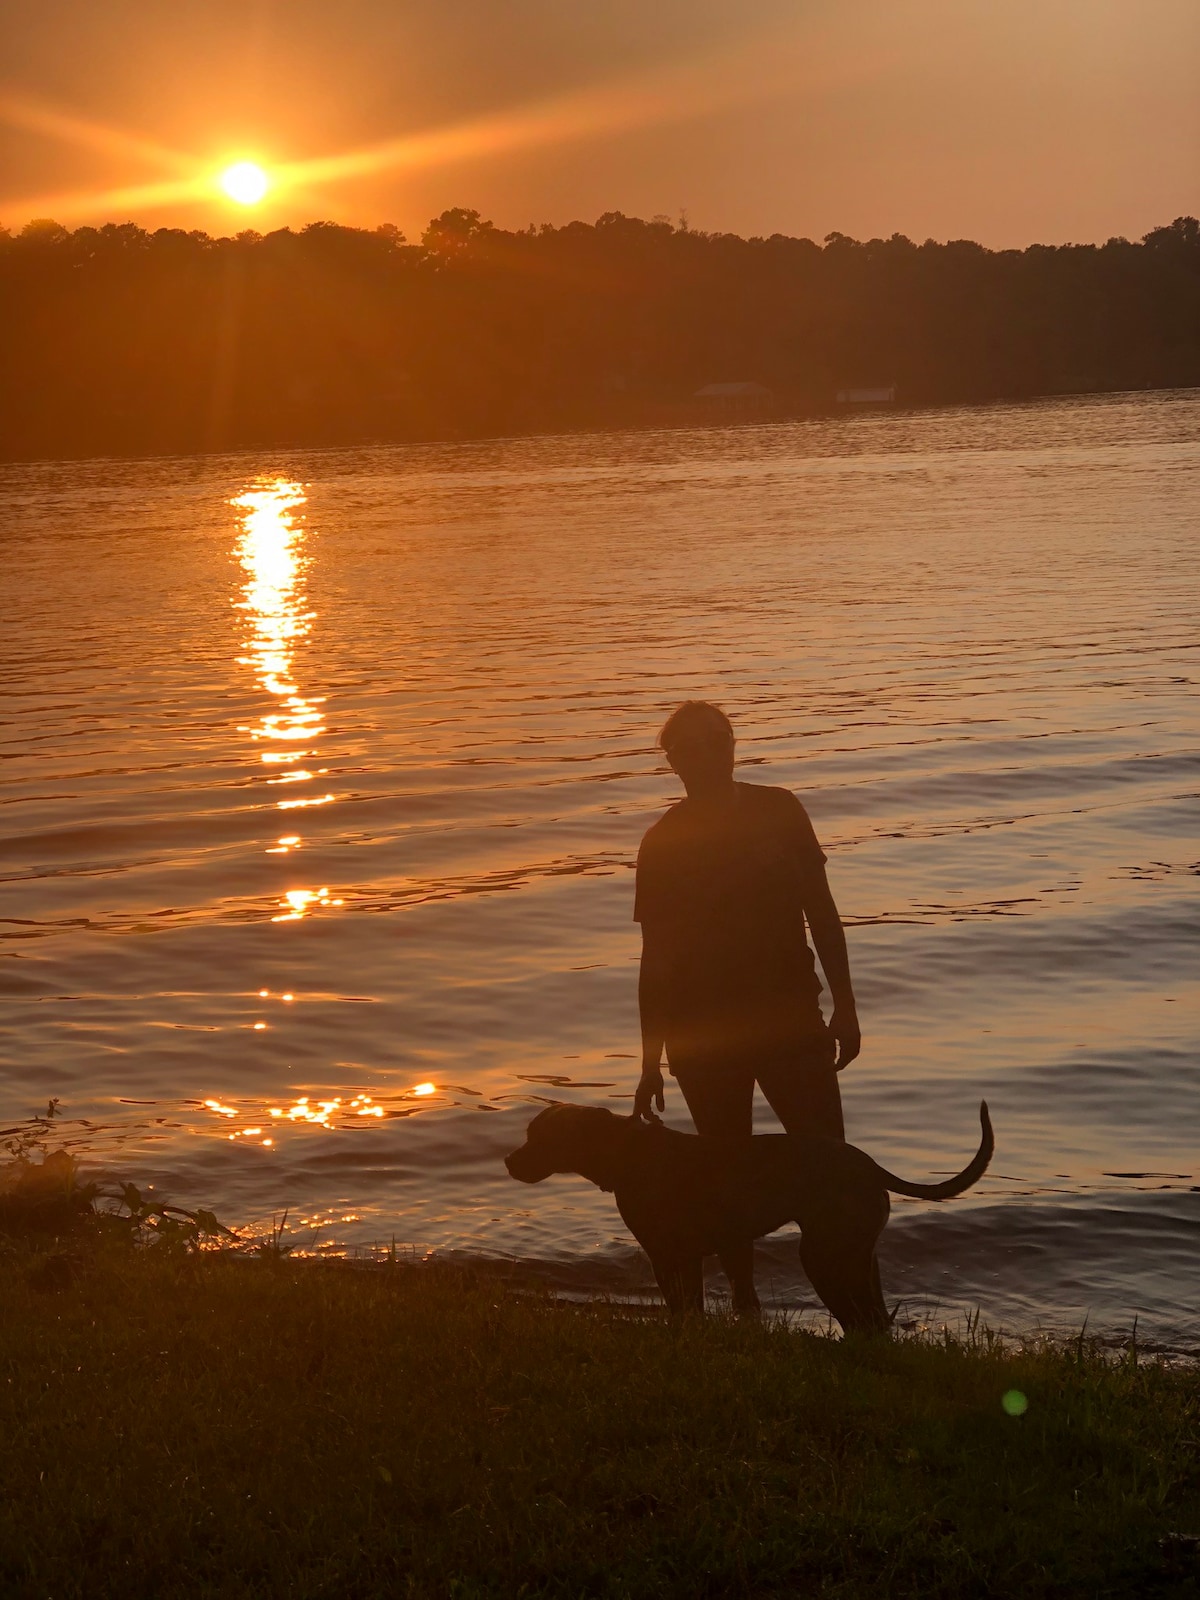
(245, 182)
(675, 93)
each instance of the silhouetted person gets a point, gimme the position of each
(725, 882)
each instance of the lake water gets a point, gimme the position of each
(324, 775)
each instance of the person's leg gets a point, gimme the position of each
(801, 1087)
(720, 1099)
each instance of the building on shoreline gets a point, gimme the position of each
(736, 399)
(870, 394)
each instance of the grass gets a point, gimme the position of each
(182, 1423)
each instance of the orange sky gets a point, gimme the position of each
(1007, 121)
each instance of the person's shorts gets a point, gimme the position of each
(798, 1080)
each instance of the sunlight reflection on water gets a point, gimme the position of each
(270, 549)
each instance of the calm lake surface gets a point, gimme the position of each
(324, 775)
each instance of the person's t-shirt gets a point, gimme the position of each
(722, 894)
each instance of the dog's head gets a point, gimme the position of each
(583, 1139)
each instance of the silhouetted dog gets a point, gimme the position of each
(684, 1197)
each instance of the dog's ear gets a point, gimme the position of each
(544, 1116)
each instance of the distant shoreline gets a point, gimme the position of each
(691, 422)
(121, 342)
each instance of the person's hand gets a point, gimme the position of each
(846, 1034)
(649, 1092)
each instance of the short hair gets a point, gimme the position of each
(691, 714)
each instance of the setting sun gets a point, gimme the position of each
(244, 182)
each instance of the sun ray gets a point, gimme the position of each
(74, 205)
(36, 116)
(666, 96)
(768, 63)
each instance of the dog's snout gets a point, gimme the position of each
(521, 1166)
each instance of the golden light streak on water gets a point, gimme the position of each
(307, 1110)
(270, 548)
(336, 1111)
(271, 551)
(300, 901)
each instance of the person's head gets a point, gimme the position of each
(697, 739)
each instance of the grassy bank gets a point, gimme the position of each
(190, 1425)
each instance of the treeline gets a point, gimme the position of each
(120, 340)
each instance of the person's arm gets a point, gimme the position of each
(651, 990)
(830, 941)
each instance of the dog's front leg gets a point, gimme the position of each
(737, 1262)
(681, 1279)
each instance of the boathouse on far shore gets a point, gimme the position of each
(736, 399)
(869, 394)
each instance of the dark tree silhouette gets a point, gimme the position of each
(120, 340)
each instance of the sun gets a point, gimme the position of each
(245, 182)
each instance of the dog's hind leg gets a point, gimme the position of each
(846, 1277)
(877, 1293)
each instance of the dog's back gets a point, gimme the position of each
(706, 1192)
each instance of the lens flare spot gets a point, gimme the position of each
(1015, 1403)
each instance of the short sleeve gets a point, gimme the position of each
(652, 886)
(643, 888)
(802, 836)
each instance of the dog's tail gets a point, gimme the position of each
(970, 1174)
